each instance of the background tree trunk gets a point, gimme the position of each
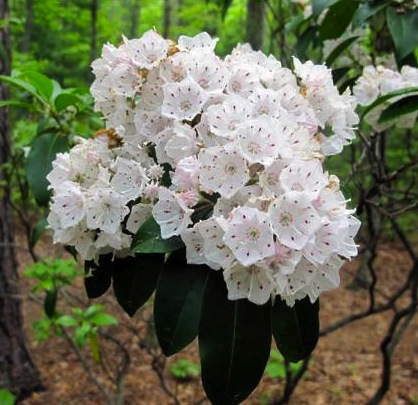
(254, 30)
(17, 371)
(167, 18)
(94, 5)
(27, 36)
(135, 18)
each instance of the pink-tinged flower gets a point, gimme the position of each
(284, 259)
(251, 282)
(171, 213)
(294, 219)
(249, 235)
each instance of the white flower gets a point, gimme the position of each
(139, 214)
(183, 100)
(199, 41)
(294, 219)
(185, 176)
(222, 170)
(105, 209)
(171, 213)
(249, 235)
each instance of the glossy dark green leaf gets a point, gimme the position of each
(304, 41)
(388, 96)
(234, 343)
(318, 6)
(401, 107)
(337, 19)
(338, 74)
(134, 280)
(337, 51)
(404, 30)
(148, 239)
(50, 302)
(178, 301)
(98, 278)
(368, 10)
(37, 231)
(39, 163)
(295, 329)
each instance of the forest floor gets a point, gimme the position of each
(345, 367)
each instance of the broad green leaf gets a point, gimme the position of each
(98, 278)
(178, 301)
(39, 163)
(367, 10)
(338, 74)
(234, 343)
(134, 280)
(15, 103)
(388, 96)
(337, 19)
(304, 40)
(6, 397)
(295, 329)
(103, 319)
(401, 107)
(404, 30)
(339, 50)
(42, 84)
(50, 302)
(148, 239)
(22, 84)
(64, 100)
(37, 231)
(318, 6)
(66, 320)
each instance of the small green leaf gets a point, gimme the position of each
(401, 107)
(103, 319)
(39, 163)
(403, 28)
(6, 397)
(386, 97)
(134, 280)
(66, 320)
(367, 10)
(16, 81)
(177, 310)
(37, 231)
(65, 99)
(50, 302)
(42, 84)
(295, 329)
(234, 343)
(18, 104)
(341, 12)
(148, 239)
(337, 51)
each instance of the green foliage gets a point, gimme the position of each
(276, 367)
(184, 370)
(6, 397)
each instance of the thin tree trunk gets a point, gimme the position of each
(17, 371)
(135, 18)
(255, 23)
(94, 5)
(167, 18)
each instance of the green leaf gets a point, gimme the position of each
(337, 19)
(318, 6)
(22, 84)
(94, 348)
(403, 28)
(98, 278)
(337, 51)
(178, 302)
(6, 397)
(39, 163)
(234, 343)
(65, 99)
(401, 107)
(18, 104)
(148, 239)
(338, 74)
(304, 40)
(103, 319)
(50, 302)
(66, 320)
(42, 84)
(134, 280)
(367, 10)
(37, 231)
(386, 97)
(295, 329)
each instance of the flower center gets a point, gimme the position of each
(253, 234)
(230, 169)
(285, 219)
(185, 105)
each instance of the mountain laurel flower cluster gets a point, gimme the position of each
(379, 81)
(225, 154)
